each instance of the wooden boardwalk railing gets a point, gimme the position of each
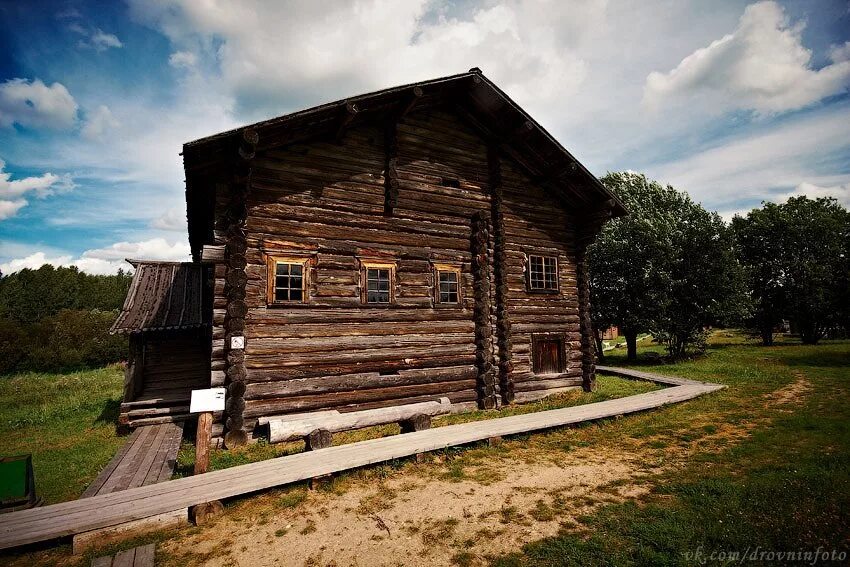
(68, 518)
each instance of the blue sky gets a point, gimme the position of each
(733, 101)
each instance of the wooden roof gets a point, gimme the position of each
(163, 296)
(475, 98)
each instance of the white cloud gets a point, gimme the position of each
(102, 41)
(98, 122)
(805, 151)
(93, 38)
(34, 104)
(9, 208)
(840, 192)
(105, 260)
(761, 66)
(172, 219)
(840, 53)
(33, 262)
(12, 192)
(275, 57)
(182, 59)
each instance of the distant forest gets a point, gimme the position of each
(54, 319)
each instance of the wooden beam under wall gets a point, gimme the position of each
(503, 323)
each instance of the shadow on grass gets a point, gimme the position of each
(820, 359)
(109, 412)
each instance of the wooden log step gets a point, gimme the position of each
(157, 411)
(289, 429)
(157, 420)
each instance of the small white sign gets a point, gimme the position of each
(237, 342)
(207, 400)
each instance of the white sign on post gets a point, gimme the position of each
(207, 400)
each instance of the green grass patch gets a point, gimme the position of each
(784, 487)
(67, 422)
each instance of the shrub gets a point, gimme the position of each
(73, 338)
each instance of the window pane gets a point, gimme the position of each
(288, 282)
(543, 272)
(377, 285)
(448, 287)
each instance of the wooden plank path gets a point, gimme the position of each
(137, 557)
(647, 376)
(148, 457)
(58, 520)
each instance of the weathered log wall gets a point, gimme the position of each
(173, 363)
(330, 202)
(535, 224)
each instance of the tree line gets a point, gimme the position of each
(673, 269)
(55, 319)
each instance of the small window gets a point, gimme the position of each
(287, 280)
(542, 273)
(448, 284)
(378, 283)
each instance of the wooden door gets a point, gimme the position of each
(547, 356)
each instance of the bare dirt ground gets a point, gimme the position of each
(415, 520)
(427, 515)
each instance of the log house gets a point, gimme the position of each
(416, 243)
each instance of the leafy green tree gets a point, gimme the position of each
(668, 267)
(31, 295)
(58, 318)
(796, 255)
(707, 285)
(629, 261)
(761, 250)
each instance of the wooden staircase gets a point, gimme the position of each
(152, 410)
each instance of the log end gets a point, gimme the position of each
(418, 422)
(318, 439)
(235, 438)
(204, 513)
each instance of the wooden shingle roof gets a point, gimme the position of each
(163, 296)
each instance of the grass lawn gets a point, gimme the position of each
(772, 473)
(762, 466)
(67, 422)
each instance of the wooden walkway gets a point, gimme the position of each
(148, 457)
(58, 520)
(137, 557)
